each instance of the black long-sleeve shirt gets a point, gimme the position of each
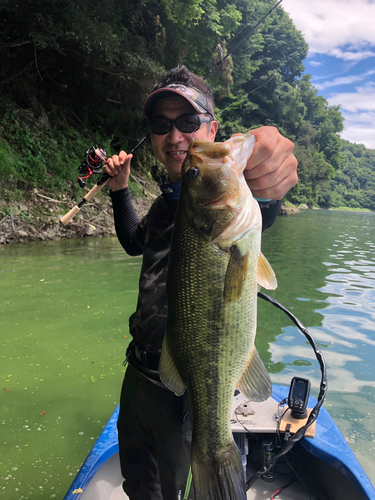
(152, 237)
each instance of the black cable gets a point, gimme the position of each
(299, 478)
(244, 426)
(288, 445)
(278, 491)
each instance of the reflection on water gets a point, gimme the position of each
(64, 308)
(328, 281)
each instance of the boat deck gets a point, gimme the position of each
(325, 463)
(108, 481)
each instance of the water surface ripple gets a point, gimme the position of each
(327, 278)
(64, 309)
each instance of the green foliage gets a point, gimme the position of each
(33, 156)
(354, 184)
(8, 162)
(77, 73)
(183, 11)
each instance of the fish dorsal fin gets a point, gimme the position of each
(236, 275)
(168, 371)
(266, 275)
(255, 383)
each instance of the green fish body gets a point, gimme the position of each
(214, 269)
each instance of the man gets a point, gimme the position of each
(154, 425)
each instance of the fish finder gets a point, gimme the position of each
(298, 397)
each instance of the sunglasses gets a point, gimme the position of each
(187, 124)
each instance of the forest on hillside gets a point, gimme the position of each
(74, 73)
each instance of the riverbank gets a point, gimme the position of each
(37, 218)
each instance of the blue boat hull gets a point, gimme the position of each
(328, 447)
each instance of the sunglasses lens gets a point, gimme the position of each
(160, 125)
(187, 123)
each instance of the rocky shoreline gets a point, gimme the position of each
(37, 218)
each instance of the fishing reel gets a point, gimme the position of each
(93, 163)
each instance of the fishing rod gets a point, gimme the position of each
(95, 158)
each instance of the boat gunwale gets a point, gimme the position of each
(328, 445)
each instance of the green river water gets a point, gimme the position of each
(64, 309)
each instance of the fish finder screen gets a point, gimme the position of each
(299, 390)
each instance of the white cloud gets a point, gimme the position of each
(358, 110)
(344, 28)
(362, 99)
(351, 56)
(344, 80)
(359, 134)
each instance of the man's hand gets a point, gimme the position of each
(118, 167)
(272, 168)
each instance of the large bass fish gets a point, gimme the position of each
(215, 267)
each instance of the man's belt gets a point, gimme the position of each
(137, 357)
(147, 359)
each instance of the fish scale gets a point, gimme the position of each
(212, 287)
(217, 349)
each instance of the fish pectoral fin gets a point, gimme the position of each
(255, 382)
(236, 275)
(168, 372)
(266, 275)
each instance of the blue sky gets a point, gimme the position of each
(341, 59)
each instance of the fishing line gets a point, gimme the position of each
(106, 177)
(227, 55)
(282, 65)
(218, 46)
(262, 85)
(243, 40)
(334, 17)
(235, 36)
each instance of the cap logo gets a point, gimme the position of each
(181, 88)
(196, 98)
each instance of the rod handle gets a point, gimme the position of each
(93, 191)
(69, 216)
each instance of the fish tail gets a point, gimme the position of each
(218, 478)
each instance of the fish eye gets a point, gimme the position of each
(193, 172)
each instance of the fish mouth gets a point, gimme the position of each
(212, 150)
(225, 163)
(236, 201)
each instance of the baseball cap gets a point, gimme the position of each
(196, 98)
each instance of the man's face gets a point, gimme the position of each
(171, 148)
